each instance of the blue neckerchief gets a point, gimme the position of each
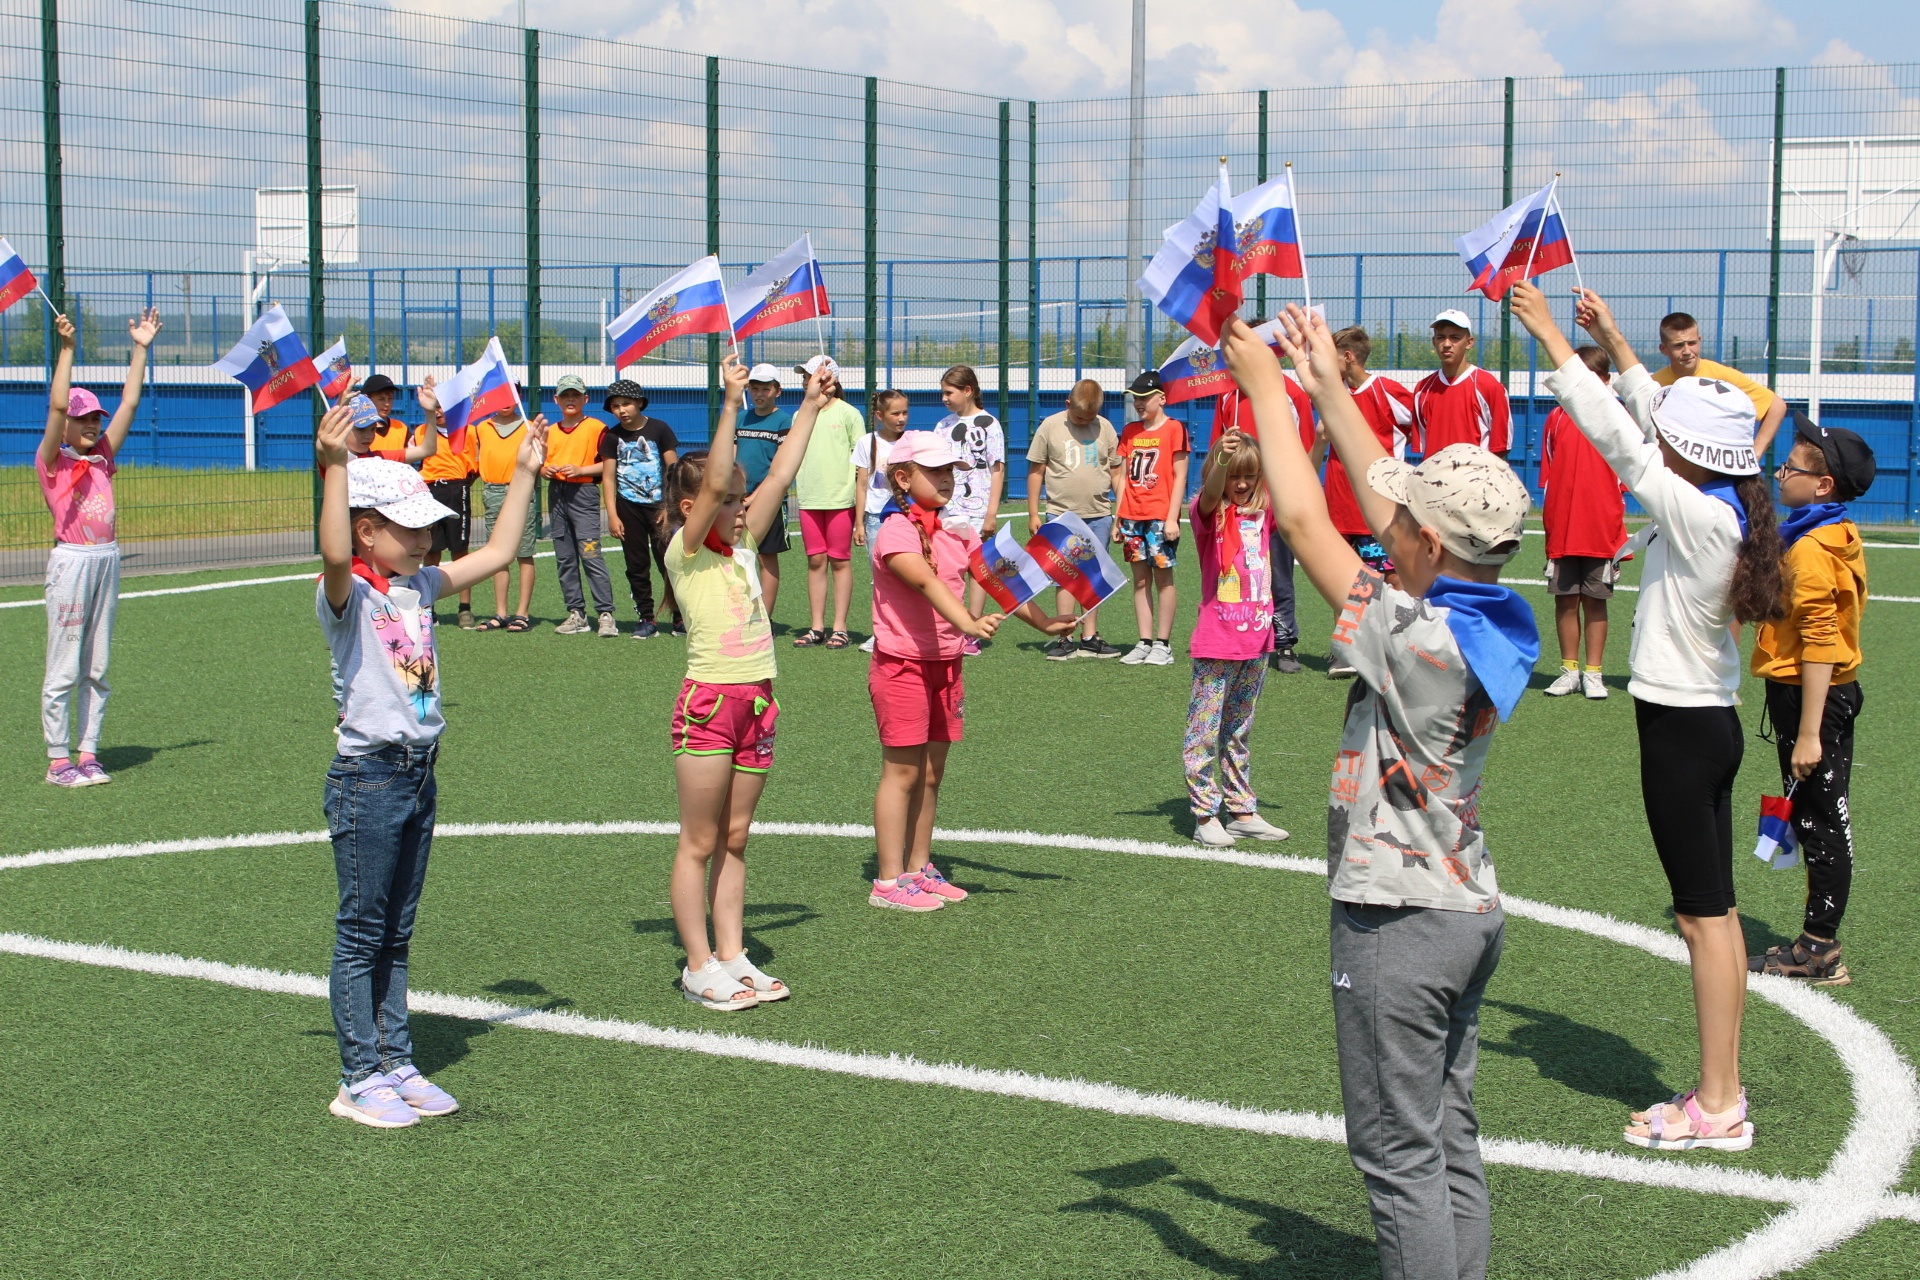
(893, 508)
(1494, 627)
(1724, 490)
(1813, 516)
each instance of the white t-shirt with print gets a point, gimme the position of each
(981, 444)
(864, 457)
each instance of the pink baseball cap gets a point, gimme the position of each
(926, 449)
(81, 402)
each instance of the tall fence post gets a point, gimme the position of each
(872, 164)
(713, 223)
(50, 133)
(1260, 286)
(1773, 248)
(1033, 265)
(1913, 409)
(1006, 230)
(316, 249)
(1506, 198)
(531, 72)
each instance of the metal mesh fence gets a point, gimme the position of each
(953, 227)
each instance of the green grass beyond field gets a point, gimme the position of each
(176, 1127)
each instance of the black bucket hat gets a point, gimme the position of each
(624, 388)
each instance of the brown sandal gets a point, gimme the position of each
(1799, 960)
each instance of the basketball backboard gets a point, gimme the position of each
(1863, 188)
(280, 225)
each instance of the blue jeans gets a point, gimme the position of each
(379, 811)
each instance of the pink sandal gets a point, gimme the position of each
(1719, 1131)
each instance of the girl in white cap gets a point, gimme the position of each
(75, 465)
(1686, 454)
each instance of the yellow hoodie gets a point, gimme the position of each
(1827, 578)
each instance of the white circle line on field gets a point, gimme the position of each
(1855, 1190)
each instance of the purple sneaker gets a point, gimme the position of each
(67, 775)
(93, 773)
(422, 1094)
(373, 1102)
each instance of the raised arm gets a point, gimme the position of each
(1213, 472)
(141, 332)
(1593, 314)
(503, 542)
(330, 454)
(1305, 339)
(767, 502)
(721, 452)
(1299, 507)
(58, 392)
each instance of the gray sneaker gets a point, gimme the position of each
(1060, 650)
(608, 627)
(375, 1103)
(1161, 655)
(575, 625)
(1138, 654)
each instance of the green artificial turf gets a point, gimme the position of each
(178, 1128)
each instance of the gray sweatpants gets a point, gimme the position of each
(574, 511)
(83, 590)
(1407, 985)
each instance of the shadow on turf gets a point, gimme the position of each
(784, 915)
(949, 862)
(121, 759)
(1177, 812)
(1594, 1062)
(1297, 1245)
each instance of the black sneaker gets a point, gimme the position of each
(1061, 649)
(1283, 661)
(1095, 647)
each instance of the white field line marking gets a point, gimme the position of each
(1622, 586)
(1851, 1194)
(177, 591)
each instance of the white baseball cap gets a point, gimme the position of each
(763, 373)
(814, 365)
(1454, 316)
(1465, 494)
(1708, 422)
(396, 491)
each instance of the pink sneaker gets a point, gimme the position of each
(931, 881)
(970, 646)
(905, 894)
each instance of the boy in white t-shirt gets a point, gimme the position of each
(870, 469)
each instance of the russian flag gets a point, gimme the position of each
(787, 288)
(1066, 551)
(1526, 239)
(476, 393)
(1006, 571)
(1195, 277)
(1195, 369)
(270, 360)
(336, 374)
(1266, 231)
(1779, 847)
(693, 302)
(16, 282)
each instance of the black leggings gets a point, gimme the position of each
(643, 540)
(1820, 806)
(1689, 757)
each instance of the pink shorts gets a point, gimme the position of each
(828, 532)
(726, 719)
(917, 700)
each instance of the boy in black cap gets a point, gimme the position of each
(1811, 660)
(395, 439)
(641, 450)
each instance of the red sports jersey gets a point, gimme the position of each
(1581, 502)
(1470, 410)
(1388, 408)
(1232, 407)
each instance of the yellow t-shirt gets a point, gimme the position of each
(729, 640)
(1761, 397)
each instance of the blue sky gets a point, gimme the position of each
(1071, 48)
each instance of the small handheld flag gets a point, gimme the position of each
(476, 393)
(1267, 231)
(270, 360)
(336, 373)
(16, 282)
(1195, 277)
(1779, 845)
(692, 302)
(1526, 239)
(1067, 551)
(786, 289)
(1195, 369)
(1003, 567)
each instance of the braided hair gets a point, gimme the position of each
(904, 500)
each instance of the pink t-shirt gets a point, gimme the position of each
(1236, 601)
(905, 623)
(79, 493)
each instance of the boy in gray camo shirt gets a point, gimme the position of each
(1416, 919)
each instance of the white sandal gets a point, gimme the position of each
(712, 977)
(764, 985)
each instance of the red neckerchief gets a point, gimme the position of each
(715, 543)
(364, 571)
(1228, 530)
(928, 518)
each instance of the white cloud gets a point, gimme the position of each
(1748, 24)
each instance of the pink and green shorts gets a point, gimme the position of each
(726, 720)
